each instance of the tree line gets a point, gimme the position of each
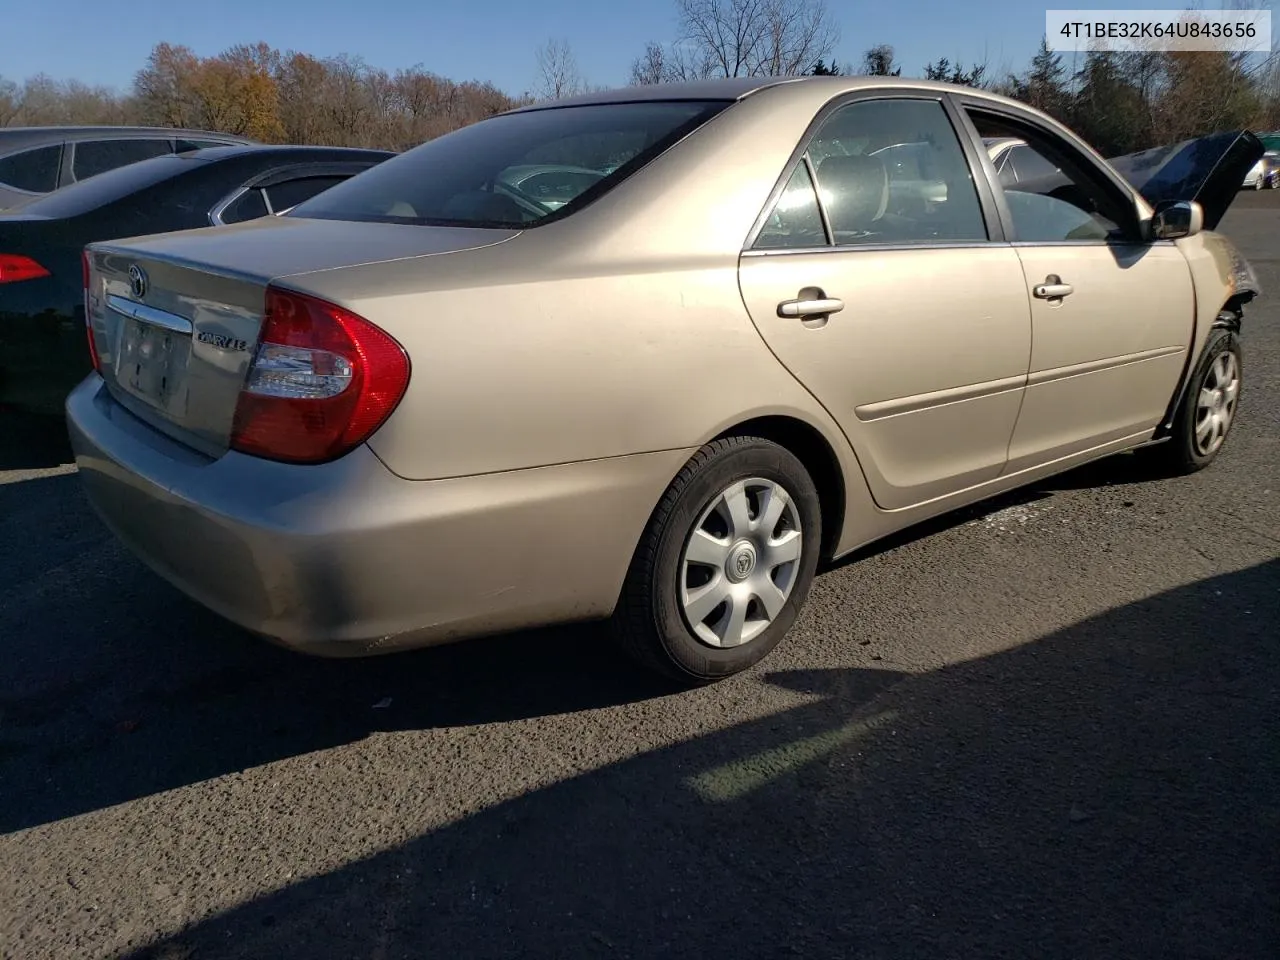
(1120, 102)
(258, 92)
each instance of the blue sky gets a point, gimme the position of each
(489, 40)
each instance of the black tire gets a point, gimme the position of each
(649, 621)
(1180, 454)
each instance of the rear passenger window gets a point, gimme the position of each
(248, 206)
(285, 195)
(893, 171)
(98, 156)
(35, 170)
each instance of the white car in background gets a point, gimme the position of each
(1015, 161)
(1264, 173)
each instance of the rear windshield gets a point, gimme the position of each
(515, 170)
(85, 195)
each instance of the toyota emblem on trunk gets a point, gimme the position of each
(137, 281)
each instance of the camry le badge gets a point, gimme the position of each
(221, 341)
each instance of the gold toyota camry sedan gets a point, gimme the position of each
(649, 356)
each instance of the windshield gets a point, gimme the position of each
(514, 170)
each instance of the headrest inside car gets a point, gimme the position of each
(855, 190)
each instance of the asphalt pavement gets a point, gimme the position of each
(1045, 727)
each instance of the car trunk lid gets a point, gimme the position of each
(176, 318)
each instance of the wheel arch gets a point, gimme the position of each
(1230, 317)
(815, 451)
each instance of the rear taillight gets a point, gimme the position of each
(321, 382)
(88, 316)
(14, 267)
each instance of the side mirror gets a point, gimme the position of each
(1176, 218)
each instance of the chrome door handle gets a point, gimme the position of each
(1052, 289)
(810, 308)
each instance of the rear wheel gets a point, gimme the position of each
(1209, 408)
(725, 563)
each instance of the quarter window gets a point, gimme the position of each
(35, 170)
(795, 221)
(248, 206)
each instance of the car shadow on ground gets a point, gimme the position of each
(153, 693)
(1112, 789)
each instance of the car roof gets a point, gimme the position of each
(301, 152)
(14, 138)
(737, 88)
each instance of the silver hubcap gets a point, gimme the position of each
(740, 562)
(1217, 403)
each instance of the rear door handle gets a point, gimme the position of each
(820, 307)
(1052, 289)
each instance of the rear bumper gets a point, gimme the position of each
(346, 558)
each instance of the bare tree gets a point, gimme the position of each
(674, 64)
(558, 74)
(749, 38)
(9, 101)
(650, 67)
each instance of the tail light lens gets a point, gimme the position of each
(322, 381)
(14, 268)
(88, 317)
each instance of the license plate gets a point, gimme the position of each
(152, 364)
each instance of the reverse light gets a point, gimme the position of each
(15, 267)
(321, 382)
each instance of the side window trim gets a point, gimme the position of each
(1080, 158)
(817, 193)
(65, 176)
(965, 134)
(986, 173)
(975, 152)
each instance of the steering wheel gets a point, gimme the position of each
(525, 201)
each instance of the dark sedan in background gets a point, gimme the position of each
(43, 347)
(35, 161)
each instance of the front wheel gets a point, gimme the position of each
(725, 563)
(1209, 408)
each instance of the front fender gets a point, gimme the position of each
(1224, 282)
